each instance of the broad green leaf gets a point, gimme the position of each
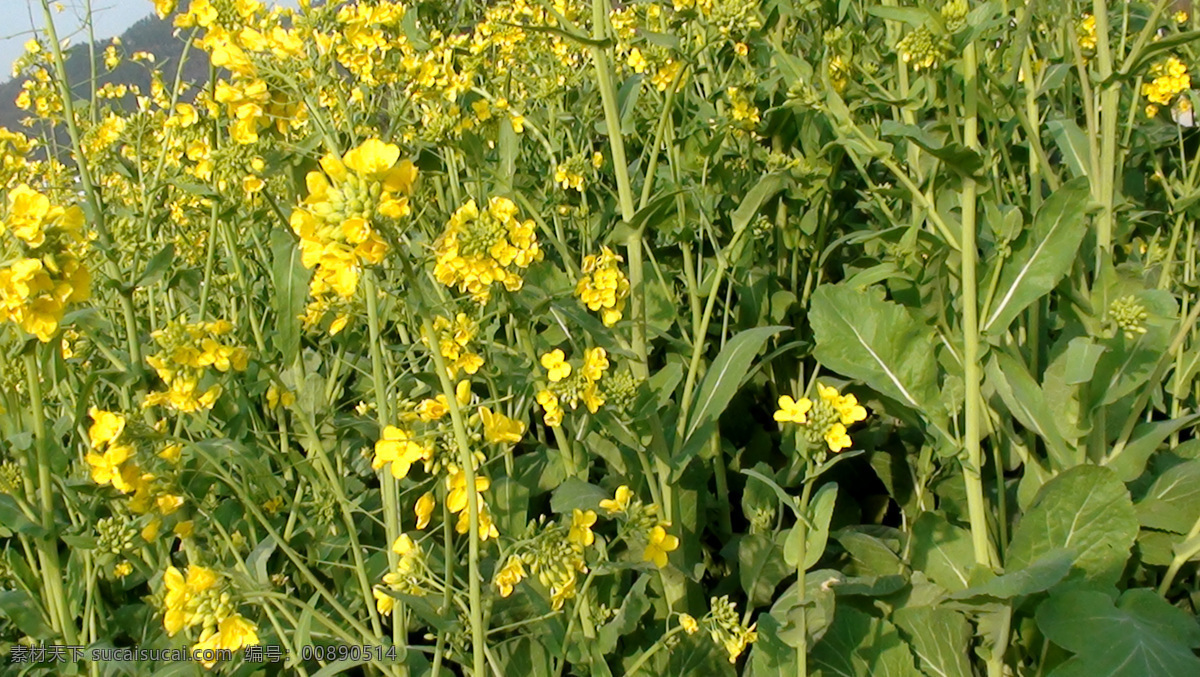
(156, 266)
(1145, 440)
(820, 511)
(956, 156)
(913, 16)
(1043, 574)
(628, 617)
(881, 343)
(290, 279)
(939, 637)
(784, 498)
(725, 375)
(1041, 257)
(1027, 403)
(858, 645)
(1072, 143)
(1082, 355)
(770, 655)
(765, 189)
(1087, 509)
(24, 613)
(577, 494)
(943, 551)
(1128, 363)
(1173, 502)
(12, 517)
(761, 567)
(1140, 635)
(871, 555)
(818, 609)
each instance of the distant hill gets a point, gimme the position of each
(151, 34)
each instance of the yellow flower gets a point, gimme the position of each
(510, 575)
(499, 429)
(688, 624)
(398, 448)
(106, 427)
(432, 409)
(106, 467)
(620, 502)
(424, 509)
(553, 416)
(595, 362)
(404, 545)
(659, 545)
(581, 527)
(555, 363)
(837, 438)
(792, 411)
(456, 500)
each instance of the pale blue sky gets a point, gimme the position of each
(20, 17)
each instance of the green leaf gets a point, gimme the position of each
(940, 638)
(24, 613)
(1043, 574)
(725, 375)
(1173, 501)
(290, 279)
(1086, 508)
(943, 551)
(858, 645)
(770, 655)
(1027, 403)
(12, 517)
(820, 511)
(913, 16)
(1129, 363)
(765, 189)
(1073, 145)
(1082, 355)
(1041, 257)
(784, 498)
(156, 266)
(628, 617)
(1145, 440)
(881, 343)
(575, 493)
(957, 157)
(761, 567)
(1135, 62)
(871, 555)
(1140, 635)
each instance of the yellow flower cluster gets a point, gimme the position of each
(603, 287)
(744, 112)
(555, 553)
(401, 449)
(564, 388)
(233, 40)
(454, 337)
(201, 599)
(1086, 30)
(186, 351)
(658, 543)
(14, 152)
(478, 248)
(45, 269)
(726, 628)
(407, 579)
(112, 461)
(1170, 77)
(338, 223)
(824, 420)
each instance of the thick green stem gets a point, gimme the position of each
(467, 461)
(973, 377)
(801, 572)
(61, 618)
(387, 483)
